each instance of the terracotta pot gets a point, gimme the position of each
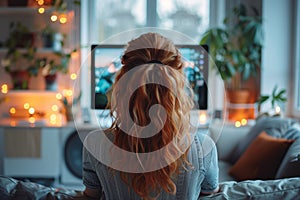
(20, 80)
(238, 96)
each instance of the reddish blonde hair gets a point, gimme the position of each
(149, 47)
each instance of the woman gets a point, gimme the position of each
(150, 108)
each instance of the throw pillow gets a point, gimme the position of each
(261, 159)
(290, 165)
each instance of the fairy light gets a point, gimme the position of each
(53, 117)
(4, 88)
(12, 110)
(41, 10)
(73, 76)
(31, 120)
(58, 96)
(237, 124)
(67, 93)
(54, 108)
(63, 19)
(244, 122)
(40, 2)
(53, 17)
(31, 110)
(26, 106)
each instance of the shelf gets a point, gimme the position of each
(39, 50)
(30, 92)
(23, 10)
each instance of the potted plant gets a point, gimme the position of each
(277, 99)
(19, 60)
(236, 50)
(52, 66)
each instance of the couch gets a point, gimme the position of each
(231, 144)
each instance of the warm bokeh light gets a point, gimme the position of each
(244, 122)
(67, 93)
(277, 109)
(4, 88)
(63, 19)
(12, 110)
(40, 2)
(237, 124)
(202, 118)
(53, 117)
(58, 96)
(41, 10)
(31, 110)
(26, 106)
(73, 76)
(31, 120)
(54, 108)
(53, 17)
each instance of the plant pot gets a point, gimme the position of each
(20, 80)
(238, 96)
(50, 81)
(17, 3)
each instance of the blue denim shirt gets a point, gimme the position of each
(203, 177)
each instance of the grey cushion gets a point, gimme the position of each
(290, 165)
(272, 189)
(274, 126)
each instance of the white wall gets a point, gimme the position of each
(276, 55)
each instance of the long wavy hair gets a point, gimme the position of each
(145, 49)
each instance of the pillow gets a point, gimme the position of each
(290, 165)
(275, 126)
(261, 159)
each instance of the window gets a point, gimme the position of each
(296, 70)
(115, 16)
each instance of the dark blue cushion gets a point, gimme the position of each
(290, 165)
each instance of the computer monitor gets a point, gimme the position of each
(106, 61)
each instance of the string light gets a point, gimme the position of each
(53, 117)
(237, 124)
(54, 108)
(4, 88)
(12, 110)
(53, 17)
(41, 10)
(26, 106)
(73, 76)
(31, 120)
(63, 19)
(40, 2)
(244, 122)
(31, 110)
(58, 96)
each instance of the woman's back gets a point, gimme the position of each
(202, 177)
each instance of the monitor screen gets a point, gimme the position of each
(106, 61)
